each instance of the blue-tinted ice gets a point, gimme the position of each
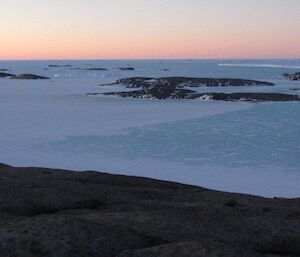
(266, 135)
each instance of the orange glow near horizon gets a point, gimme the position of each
(141, 30)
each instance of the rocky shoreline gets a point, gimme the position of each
(48, 212)
(187, 94)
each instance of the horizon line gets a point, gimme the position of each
(153, 59)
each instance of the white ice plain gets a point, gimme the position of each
(55, 124)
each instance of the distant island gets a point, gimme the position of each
(22, 76)
(292, 76)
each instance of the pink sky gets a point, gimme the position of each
(118, 29)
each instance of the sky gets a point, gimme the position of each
(149, 29)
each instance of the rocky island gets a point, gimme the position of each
(126, 69)
(28, 77)
(292, 76)
(59, 65)
(188, 94)
(6, 75)
(48, 213)
(95, 69)
(90, 69)
(182, 88)
(22, 76)
(180, 82)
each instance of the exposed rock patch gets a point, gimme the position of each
(90, 69)
(47, 213)
(181, 88)
(292, 76)
(295, 89)
(96, 69)
(146, 82)
(189, 94)
(126, 69)
(29, 77)
(254, 97)
(59, 65)
(6, 75)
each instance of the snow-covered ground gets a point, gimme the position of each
(237, 147)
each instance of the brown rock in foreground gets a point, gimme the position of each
(47, 212)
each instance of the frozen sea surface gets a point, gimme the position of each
(237, 147)
(257, 137)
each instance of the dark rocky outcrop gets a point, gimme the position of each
(4, 69)
(157, 92)
(48, 213)
(126, 69)
(253, 97)
(181, 88)
(59, 65)
(6, 75)
(76, 69)
(292, 76)
(22, 76)
(95, 69)
(168, 92)
(28, 76)
(295, 89)
(90, 69)
(146, 82)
